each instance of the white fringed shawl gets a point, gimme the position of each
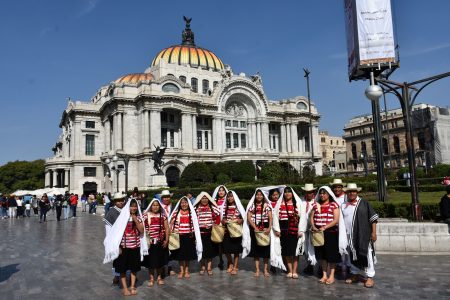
(275, 247)
(246, 241)
(198, 237)
(115, 234)
(301, 208)
(216, 190)
(343, 243)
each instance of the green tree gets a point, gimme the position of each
(196, 173)
(22, 175)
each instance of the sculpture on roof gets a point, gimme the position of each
(157, 156)
(188, 34)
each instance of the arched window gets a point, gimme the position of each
(363, 148)
(396, 144)
(183, 78)
(385, 147)
(205, 86)
(194, 84)
(373, 148)
(354, 154)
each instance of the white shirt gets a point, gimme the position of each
(340, 199)
(348, 210)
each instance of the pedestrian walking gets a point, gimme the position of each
(20, 207)
(73, 205)
(361, 228)
(34, 204)
(444, 206)
(44, 206)
(83, 203)
(3, 207)
(157, 234)
(12, 207)
(28, 209)
(58, 206)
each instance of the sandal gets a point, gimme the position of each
(187, 275)
(126, 292)
(323, 280)
(328, 282)
(161, 281)
(352, 279)
(234, 272)
(210, 273)
(180, 275)
(229, 270)
(295, 276)
(133, 291)
(369, 283)
(266, 274)
(256, 274)
(289, 275)
(150, 283)
(202, 272)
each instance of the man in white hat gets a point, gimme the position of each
(338, 189)
(361, 226)
(310, 194)
(110, 218)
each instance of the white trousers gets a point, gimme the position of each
(369, 271)
(12, 212)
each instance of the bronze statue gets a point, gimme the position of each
(157, 156)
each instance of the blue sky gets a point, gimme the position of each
(52, 50)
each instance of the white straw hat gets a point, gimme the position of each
(352, 187)
(337, 181)
(308, 187)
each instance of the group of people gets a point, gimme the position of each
(330, 224)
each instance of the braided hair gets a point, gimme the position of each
(262, 207)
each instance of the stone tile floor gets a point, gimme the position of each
(63, 260)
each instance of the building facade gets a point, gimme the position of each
(188, 102)
(431, 135)
(329, 147)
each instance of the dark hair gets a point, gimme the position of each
(271, 192)
(331, 199)
(294, 201)
(262, 206)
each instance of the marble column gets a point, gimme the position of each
(265, 135)
(288, 138)
(186, 133)
(146, 128)
(249, 136)
(78, 143)
(119, 131)
(224, 139)
(294, 137)
(194, 132)
(55, 178)
(155, 132)
(283, 138)
(66, 178)
(107, 127)
(216, 137)
(209, 140)
(254, 137)
(258, 135)
(47, 178)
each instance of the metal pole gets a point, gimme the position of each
(126, 160)
(117, 179)
(406, 109)
(378, 146)
(307, 72)
(387, 130)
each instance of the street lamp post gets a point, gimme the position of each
(408, 90)
(114, 160)
(373, 93)
(307, 72)
(364, 159)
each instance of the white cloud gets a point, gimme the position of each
(87, 8)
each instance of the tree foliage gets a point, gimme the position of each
(22, 175)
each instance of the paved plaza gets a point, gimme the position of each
(63, 260)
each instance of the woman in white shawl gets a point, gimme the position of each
(157, 232)
(125, 244)
(184, 222)
(326, 217)
(259, 218)
(289, 223)
(219, 196)
(233, 212)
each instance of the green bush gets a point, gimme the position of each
(196, 173)
(430, 211)
(242, 171)
(222, 178)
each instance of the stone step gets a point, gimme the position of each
(426, 244)
(406, 229)
(392, 220)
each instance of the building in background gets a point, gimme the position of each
(431, 134)
(329, 147)
(188, 102)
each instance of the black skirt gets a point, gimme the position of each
(157, 257)
(258, 251)
(129, 259)
(288, 244)
(210, 249)
(187, 250)
(232, 245)
(330, 250)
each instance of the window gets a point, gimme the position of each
(164, 137)
(396, 144)
(170, 87)
(205, 86)
(90, 171)
(373, 148)
(235, 140)
(243, 141)
(172, 118)
(206, 140)
(236, 124)
(164, 116)
(274, 145)
(322, 140)
(331, 142)
(228, 140)
(199, 140)
(215, 83)
(194, 84)
(172, 138)
(183, 78)
(228, 123)
(354, 155)
(385, 147)
(243, 124)
(205, 121)
(90, 144)
(90, 124)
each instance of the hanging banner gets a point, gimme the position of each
(370, 35)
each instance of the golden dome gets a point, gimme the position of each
(135, 78)
(188, 53)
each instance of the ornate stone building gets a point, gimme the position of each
(329, 147)
(188, 101)
(431, 134)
